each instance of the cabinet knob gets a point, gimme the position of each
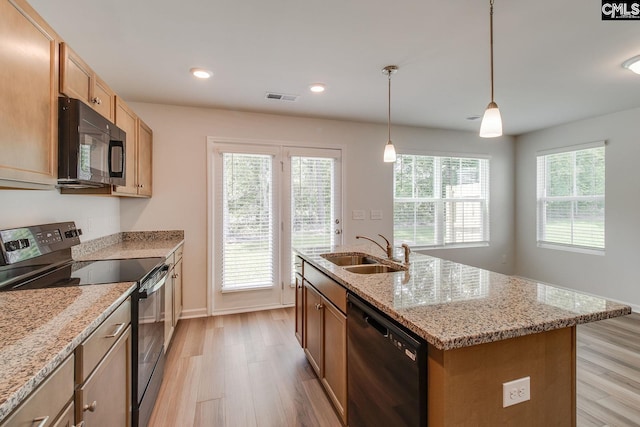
(90, 408)
(97, 101)
(319, 306)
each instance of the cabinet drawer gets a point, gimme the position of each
(333, 291)
(177, 255)
(93, 349)
(48, 400)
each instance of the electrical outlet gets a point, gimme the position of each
(516, 391)
(357, 214)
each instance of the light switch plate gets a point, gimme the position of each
(357, 214)
(516, 391)
(376, 214)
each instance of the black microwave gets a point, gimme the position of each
(91, 149)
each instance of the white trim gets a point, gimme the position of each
(250, 309)
(571, 248)
(566, 149)
(194, 313)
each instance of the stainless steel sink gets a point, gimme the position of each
(372, 269)
(342, 260)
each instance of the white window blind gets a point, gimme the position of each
(247, 221)
(312, 207)
(571, 198)
(441, 201)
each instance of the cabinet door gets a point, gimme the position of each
(105, 398)
(334, 376)
(76, 77)
(28, 98)
(127, 120)
(299, 310)
(168, 312)
(177, 291)
(145, 142)
(103, 98)
(313, 327)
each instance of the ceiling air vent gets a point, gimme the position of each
(281, 96)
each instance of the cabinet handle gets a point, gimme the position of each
(97, 101)
(90, 408)
(42, 421)
(116, 332)
(319, 306)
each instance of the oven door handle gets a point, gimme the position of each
(145, 293)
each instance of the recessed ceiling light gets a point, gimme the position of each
(633, 64)
(317, 87)
(201, 73)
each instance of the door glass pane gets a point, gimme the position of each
(312, 201)
(247, 216)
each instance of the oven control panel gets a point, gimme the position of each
(25, 243)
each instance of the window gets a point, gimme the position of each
(571, 197)
(247, 217)
(441, 201)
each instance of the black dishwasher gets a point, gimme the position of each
(387, 370)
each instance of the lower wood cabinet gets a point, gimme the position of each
(103, 372)
(173, 295)
(105, 398)
(48, 405)
(299, 310)
(325, 335)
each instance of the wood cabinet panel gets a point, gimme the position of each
(28, 98)
(313, 328)
(78, 80)
(145, 146)
(334, 376)
(105, 398)
(127, 120)
(299, 310)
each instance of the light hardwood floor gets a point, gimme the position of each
(248, 369)
(608, 372)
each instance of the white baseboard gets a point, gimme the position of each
(194, 313)
(250, 309)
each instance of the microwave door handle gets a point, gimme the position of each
(119, 146)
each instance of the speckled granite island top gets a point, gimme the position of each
(453, 305)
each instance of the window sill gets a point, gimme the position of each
(452, 246)
(569, 248)
(246, 288)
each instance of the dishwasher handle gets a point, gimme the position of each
(384, 331)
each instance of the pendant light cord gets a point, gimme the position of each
(491, 42)
(389, 108)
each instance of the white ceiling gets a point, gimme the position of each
(555, 61)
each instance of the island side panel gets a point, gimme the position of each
(465, 384)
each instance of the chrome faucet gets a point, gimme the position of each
(407, 251)
(388, 250)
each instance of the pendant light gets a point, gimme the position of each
(389, 149)
(491, 125)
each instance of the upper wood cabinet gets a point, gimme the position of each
(28, 98)
(78, 80)
(127, 120)
(138, 171)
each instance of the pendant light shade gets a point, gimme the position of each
(389, 149)
(491, 121)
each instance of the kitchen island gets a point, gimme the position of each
(483, 329)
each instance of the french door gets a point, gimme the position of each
(266, 199)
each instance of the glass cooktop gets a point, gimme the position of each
(79, 273)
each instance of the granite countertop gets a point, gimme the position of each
(40, 328)
(453, 305)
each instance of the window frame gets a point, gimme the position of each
(440, 202)
(542, 198)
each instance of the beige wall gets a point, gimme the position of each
(180, 188)
(613, 275)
